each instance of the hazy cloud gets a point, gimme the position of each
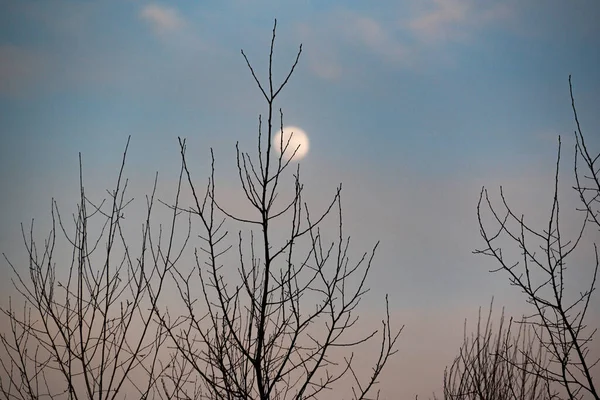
(454, 19)
(344, 31)
(376, 37)
(325, 67)
(322, 59)
(162, 18)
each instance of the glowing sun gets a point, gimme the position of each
(298, 143)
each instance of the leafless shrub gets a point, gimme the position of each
(498, 364)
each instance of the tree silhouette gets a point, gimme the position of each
(104, 332)
(558, 324)
(87, 335)
(269, 334)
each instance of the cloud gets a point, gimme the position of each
(455, 19)
(324, 68)
(162, 18)
(334, 39)
(402, 37)
(375, 37)
(322, 58)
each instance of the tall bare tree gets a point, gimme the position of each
(270, 333)
(559, 324)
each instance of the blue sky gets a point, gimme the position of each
(412, 104)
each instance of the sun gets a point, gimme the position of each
(298, 143)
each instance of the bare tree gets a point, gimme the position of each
(269, 333)
(498, 364)
(558, 324)
(101, 331)
(91, 335)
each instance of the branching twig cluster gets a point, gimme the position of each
(498, 364)
(85, 336)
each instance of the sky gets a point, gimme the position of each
(413, 105)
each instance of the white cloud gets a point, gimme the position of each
(330, 38)
(375, 37)
(322, 58)
(402, 37)
(324, 66)
(455, 19)
(162, 18)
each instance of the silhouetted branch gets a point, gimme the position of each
(558, 325)
(86, 335)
